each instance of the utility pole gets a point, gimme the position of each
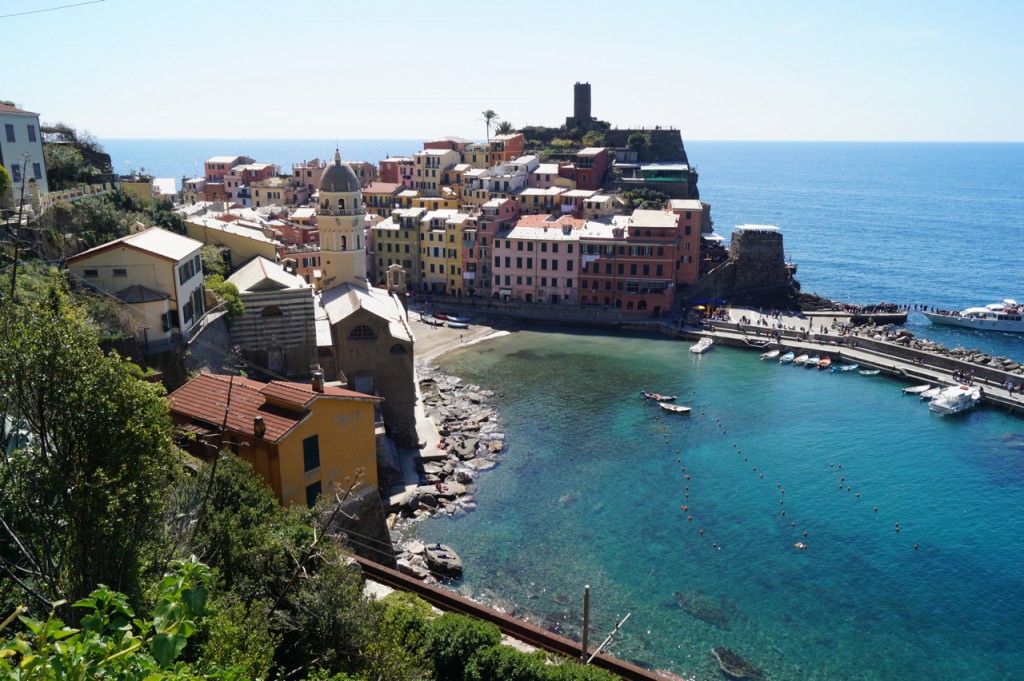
(584, 648)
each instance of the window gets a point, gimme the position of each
(519, 281)
(622, 268)
(120, 272)
(362, 332)
(687, 230)
(15, 172)
(31, 133)
(9, 129)
(91, 274)
(568, 264)
(311, 453)
(544, 247)
(568, 283)
(543, 281)
(313, 493)
(647, 270)
(529, 263)
(543, 263)
(271, 311)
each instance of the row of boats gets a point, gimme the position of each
(821, 363)
(450, 321)
(665, 402)
(947, 400)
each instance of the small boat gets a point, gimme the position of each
(658, 397)
(703, 345)
(869, 372)
(675, 408)
(954, 400)
(802, 359)
(812, 361)
(457, 325)
(771, 354)
(931, 393)
(786, 358)
(1005, 316)
(917, 389)
(442, 317)
(825, 363)
(433, 321)
(458, 320)
(844, 367)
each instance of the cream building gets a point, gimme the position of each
(340, 219)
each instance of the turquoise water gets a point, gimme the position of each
(590, 492)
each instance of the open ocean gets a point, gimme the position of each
(590, 491)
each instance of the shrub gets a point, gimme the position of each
(506, 663)
(451, 640)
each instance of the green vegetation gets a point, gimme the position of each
(228, 292)
(93, 493)
(644, 199)
(593, 138)
(213, 260)
(504, 128)
(5, 185)
(489, 118)
(72, 157)
(638, 141)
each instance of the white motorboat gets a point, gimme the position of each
(931, 393)
(812, 362)
(674, 408)
(1005, 316)
(954, 400)
(787, 358)
(801, 359)
(771, 354)
(703, 345)
(917, 389)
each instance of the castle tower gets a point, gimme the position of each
(340, 218)
(581, 103)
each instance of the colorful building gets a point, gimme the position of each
(216, 167)
(694, 219)
(430, 165)
(478, 243)
(535, 260)
(398, 170)
(396, 241)
(304, 440)
(504, 148)
(21, 150)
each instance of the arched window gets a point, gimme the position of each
(341, 204)
(642, 305)
(362, 332)
(344, 241)
(271, 311)
(629, 305)
(398, 349)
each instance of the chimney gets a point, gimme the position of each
(318, 381)
(258, 427)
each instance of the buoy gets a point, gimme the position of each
(897, 530)
(685, 508)
(805, 534)
(687, 487)
(847, 489)
(783, 491)
(876, 509)
(740, 451)
(840, 465)
(702, 532)
(858, 494)
(792, 524)
(783, 513)
(781, 501)
(689, 517)
(755, 468)
(915, 547)
(687, 476)
(762, 475)
(842, 477)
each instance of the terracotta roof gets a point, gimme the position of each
(541, 221)
(205, 396)
(11, 109)
(381, 188)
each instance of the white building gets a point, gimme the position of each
(21, 149)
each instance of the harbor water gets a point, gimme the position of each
(591, 488)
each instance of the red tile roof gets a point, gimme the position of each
(541, 221)
(10, 109)
(205, 396)
(381, 188)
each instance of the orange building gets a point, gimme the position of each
(304, 440)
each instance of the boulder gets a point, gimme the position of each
(443, 562)
(734, 666)
(429, 500)
(463, 477)
(415, 547)
(414, 571)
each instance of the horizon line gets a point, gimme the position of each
(691, 139)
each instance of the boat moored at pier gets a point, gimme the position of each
(957, 399)
(1005, 316)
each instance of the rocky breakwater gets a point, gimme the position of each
(471, 440)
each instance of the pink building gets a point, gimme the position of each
(477, 244)
(244, 174)
(453, 143)
(694, 217)
(308, 174)
(543, 176)
(536, 260)
(397, 170)
(216, 167)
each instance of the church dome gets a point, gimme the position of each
(339, 177)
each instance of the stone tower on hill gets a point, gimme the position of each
(340, 217)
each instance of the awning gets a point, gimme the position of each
(505, 292)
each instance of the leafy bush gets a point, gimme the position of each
(506, 663)
(453, 639)
(227, 292)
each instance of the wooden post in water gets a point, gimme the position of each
(584, 653)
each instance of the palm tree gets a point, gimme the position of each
(504, 128)
(489, 115)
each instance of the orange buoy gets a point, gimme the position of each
(685, 508)
(805, 534)
(702, 532)
(689, 517)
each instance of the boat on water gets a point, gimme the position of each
(844, 367)
(869, 372)
(931, 393)
(1005, 316)
(703, 345)
(658, 397)
(812, 361)
(457, 325)
(786, 358)
(825, 363)
(954, 400)
(802, 359)
(771, 354)
(674, 408)
(917, 389)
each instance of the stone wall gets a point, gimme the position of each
(363, 524)
(210, 348)
(760, 261)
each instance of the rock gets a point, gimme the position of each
(463, 477)
(703, 607)
(734, 666)
(474, 397)
(415, 547)
(415, 571)
(443, 562)
(495, 446)
(482, 463)
(429, 500)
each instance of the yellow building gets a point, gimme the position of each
(475, 155)
(441, 234)
(304, 440)
(430, 165)
(243, 243)
(396, 241)
(435, 202)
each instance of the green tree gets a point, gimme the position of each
(637, 141)
(451, 641)
(504, 128)
(593, 138)
(489, 117)
(5, 186)
(65, 165)
(213, 261)
(80, 493)
(228, 292)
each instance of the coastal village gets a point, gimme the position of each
(353, 274)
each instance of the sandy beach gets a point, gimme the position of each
(434, 341)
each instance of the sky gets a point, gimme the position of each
(394, 69)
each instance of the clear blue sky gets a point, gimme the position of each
(744, 70)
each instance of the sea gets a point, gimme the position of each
(911, 522)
